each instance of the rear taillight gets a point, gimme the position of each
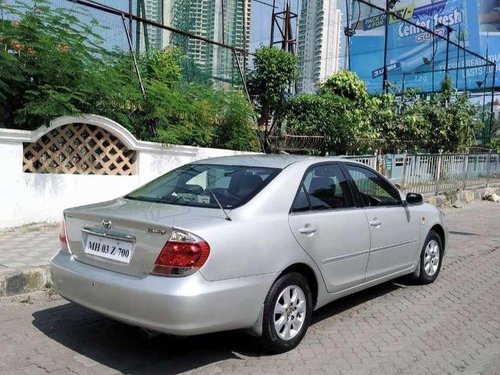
(63, 237)
(183, 254)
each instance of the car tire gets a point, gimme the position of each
(430, 258)
(287, 313)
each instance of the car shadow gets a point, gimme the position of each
(123, 348)
(356, 299)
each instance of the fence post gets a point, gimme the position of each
(466, 170)
(438, 174)
(488, 165)
(403, 177)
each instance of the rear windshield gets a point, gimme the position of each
(199, 184)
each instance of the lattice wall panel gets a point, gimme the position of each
(79, 149)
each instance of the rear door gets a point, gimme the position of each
(330, 228)
(394, 230)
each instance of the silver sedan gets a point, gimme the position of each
(245, 242)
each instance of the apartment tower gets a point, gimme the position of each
(223, 21)
(319, 34)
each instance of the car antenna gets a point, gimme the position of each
(220, 205)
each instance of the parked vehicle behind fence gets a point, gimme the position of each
(245, 242)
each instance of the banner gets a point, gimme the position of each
(415, 58)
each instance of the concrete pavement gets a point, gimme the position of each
(25, 253)
(449, 327)
(28, 246)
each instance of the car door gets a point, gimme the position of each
(330, 228)
(394, 230)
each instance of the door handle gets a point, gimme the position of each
(375, 223)
(307, 230)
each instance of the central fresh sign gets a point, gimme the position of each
(415, 58)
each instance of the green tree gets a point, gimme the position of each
(164, 66)
(346, 84)
(339, 112)
(274, 71)
(441, 122)
(235, 124)
(46, 60)
(53, 64)
(400, 122)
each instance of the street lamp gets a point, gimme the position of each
(449, 29)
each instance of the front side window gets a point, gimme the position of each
(324, 187)
(374, 190)
(202, 185)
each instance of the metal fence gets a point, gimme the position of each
(446, 172)
(370, 160)
(436, 173)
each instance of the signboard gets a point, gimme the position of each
(415, 58)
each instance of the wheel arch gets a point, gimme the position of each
(306, 271)
(440, 232)
(312, 280)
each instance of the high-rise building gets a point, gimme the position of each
(223, 21)
(318, 42)
(155, 10)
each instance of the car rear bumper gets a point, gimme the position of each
(180, 306)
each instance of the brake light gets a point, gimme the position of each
(63, 236)
(182, 255)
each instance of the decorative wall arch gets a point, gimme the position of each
(87, 144)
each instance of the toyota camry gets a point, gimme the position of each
(245, 242)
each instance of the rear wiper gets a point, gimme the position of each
(220, 205)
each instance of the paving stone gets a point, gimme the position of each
(449, 327)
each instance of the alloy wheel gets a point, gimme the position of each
(290, 312)
(431, 258)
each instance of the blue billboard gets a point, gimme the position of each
(415, 58)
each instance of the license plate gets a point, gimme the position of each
(109, 248)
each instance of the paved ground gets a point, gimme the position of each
(449, 327)
(28, 246)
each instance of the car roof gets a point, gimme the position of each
(269, 161)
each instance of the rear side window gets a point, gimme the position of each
(374, 190)
(324, 187)
(202, 185)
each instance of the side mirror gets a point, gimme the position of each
(414, 198)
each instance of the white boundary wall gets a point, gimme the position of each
(41, 197)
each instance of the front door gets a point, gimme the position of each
(328, 226)
(394, 231)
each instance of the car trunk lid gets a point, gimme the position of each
(126, 236)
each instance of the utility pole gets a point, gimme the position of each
(449, 29)
(389, 5)
(130, 11)
(492, 115)
(458, 55)
(271, 39)
(386, 39)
